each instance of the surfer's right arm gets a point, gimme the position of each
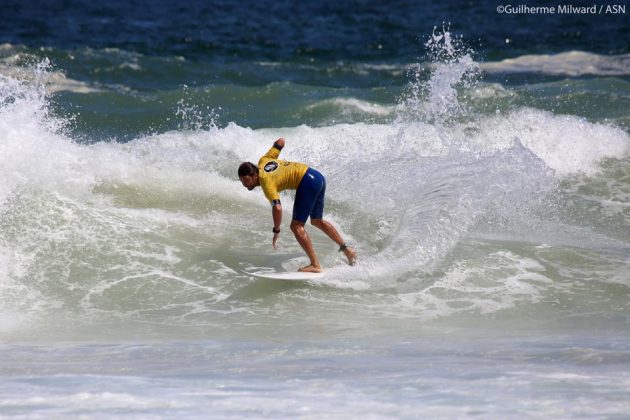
(271, 192)
(276, 214)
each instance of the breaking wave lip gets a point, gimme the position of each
(350, 105)
(55, 80)
(571, 63)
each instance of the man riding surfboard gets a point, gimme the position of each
(274, 175)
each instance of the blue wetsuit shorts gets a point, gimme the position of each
(309, 197)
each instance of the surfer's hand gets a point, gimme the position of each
(275, 240)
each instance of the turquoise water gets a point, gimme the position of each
(483, 179)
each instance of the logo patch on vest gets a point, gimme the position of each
(271, 166)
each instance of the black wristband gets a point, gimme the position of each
(277, 146)
(274, 230)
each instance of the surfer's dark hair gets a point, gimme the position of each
(247, 169)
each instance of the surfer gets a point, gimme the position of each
(274, 175)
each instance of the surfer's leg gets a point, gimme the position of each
(305, 197)
(333, 234)
(304, 240)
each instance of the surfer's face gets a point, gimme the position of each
(249, 181)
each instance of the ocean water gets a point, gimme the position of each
(479, 162)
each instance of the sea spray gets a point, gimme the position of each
(156, 230)
(193, 116)
(436, 198)
(452, 67)
(29, 132)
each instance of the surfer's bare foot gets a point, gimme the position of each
(311, 269)
(351, 254)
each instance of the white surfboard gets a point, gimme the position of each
(285, 275)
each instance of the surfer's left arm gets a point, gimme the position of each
(276, 213)
(274, 152)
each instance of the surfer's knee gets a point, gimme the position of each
(296, 226)
(319, 223)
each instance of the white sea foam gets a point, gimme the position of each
(92, 217)
(566, 143)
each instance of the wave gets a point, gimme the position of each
(18, 63)
(354, 108)
(156, 230)
(94, 71)
(570, 63)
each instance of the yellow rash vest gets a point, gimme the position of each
(277, 175)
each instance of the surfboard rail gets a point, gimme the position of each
(285, 275)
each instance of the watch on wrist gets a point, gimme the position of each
(274, 230)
